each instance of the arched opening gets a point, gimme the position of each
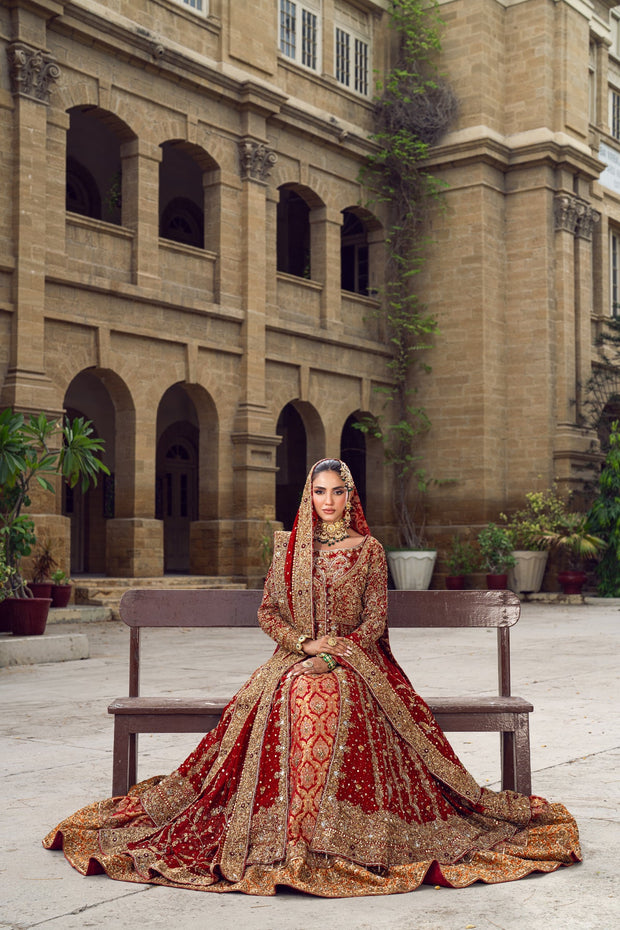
(353, 452)
(184, 196)
(176, 481)
(609, 413)
(88, 396)
(93, 166)
(293, 234)
(291, 458)
(354, 254)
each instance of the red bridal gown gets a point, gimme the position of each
(338, 784)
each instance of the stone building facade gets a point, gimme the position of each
(186, 261)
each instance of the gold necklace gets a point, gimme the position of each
(331, 533)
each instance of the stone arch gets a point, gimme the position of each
(101, 396)
(188, 195)
(361, 237)
(187, 470)
(294, 234)
(303, 443)
(602, 402)
(93, 162)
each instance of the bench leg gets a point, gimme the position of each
(132, 766)
(515, 753)
(120, 761)
(507, 749)
(523, 770)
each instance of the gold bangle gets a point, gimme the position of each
(299, 645)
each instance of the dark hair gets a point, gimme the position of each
(327, 465)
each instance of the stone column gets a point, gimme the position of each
(566, 214)
(135, 539)
(325, 227)
(33, 74)
(140, 190)
(254, 445)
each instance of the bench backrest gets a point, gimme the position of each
(226, 607)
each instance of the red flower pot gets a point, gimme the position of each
(497, 582)
(572, 582)
(40, 588)
(61, 594)
(28, 615)
(455, 582)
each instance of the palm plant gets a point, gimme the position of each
(38, 448)
(575, 538)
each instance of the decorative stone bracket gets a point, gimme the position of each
(574, 215)
(255, 160)
(33, 72)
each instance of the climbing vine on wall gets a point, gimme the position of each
(412, 111)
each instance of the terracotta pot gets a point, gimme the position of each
(28, 614)
(455, 582)
(497, 582)
(40, 588)
(61, 594)
(572, 582)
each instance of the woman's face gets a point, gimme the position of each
(329, 496)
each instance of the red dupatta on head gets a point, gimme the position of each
(298, 562)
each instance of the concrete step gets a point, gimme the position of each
(79, 614)
(107, 592)
(35, 650)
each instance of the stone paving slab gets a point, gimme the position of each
(56, 756)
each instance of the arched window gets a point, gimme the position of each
(182, 221)
(353, 254)
(93, 167)
(293, 235)
(181, 194)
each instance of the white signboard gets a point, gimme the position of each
(611, 175)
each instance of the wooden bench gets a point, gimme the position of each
(501, 713)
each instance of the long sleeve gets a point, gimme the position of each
(374, 613)
(270, 618)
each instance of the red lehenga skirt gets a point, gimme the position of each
(328, 799)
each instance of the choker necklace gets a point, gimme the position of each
(331, 533)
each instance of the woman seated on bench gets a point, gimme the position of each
(327, 772)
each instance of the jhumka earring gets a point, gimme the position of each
(347, 513)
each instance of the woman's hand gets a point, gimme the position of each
(332, 645)
(309, 666)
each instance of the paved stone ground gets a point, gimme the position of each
(56, 748)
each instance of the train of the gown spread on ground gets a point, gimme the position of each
(337, 784)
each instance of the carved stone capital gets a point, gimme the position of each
(255, 160)
(566, 209)
(33, 72)
(586, 221)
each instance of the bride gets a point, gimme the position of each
(327, 772)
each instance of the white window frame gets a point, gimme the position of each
(198, 7)
(355, 72)
(293, 36)
(614, 273)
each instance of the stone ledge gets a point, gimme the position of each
(36, 650)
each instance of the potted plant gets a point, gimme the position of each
(61, 589)
(575, 541)
(461, 560)
(38, 448)
(42, 568)
(496, 548)
(543, 513)
(5, 574)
